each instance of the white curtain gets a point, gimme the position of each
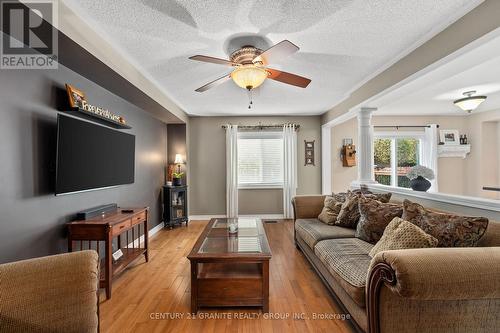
(429, 153)
(232, 171)
(290, 169)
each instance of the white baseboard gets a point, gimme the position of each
(151, 233)
(266, 216)
(204, 217)
(261, 216)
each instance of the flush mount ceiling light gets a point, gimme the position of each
(470, 102)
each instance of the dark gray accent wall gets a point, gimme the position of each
(176, 134)
(176, 144)
(32, 219)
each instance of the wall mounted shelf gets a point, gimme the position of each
(453, 150)
(96, 118)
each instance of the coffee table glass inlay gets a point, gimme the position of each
(230, 268)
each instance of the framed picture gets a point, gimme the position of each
(309, 152)
(75, 96)
(449, 137)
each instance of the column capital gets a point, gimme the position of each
(366, 112)
(367, 109)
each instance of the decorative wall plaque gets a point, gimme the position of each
(309, 152)
(77, 100)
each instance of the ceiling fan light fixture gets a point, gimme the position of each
(249, 76)
(469, 103)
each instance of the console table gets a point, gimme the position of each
(97, 232)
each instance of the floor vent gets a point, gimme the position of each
(270, 221)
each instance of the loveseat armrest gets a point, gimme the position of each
(307, 206)
(50, 294)
(437, 279)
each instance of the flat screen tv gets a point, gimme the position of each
(91, 156)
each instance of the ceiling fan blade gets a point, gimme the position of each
(277, 52)
(214, 83)
(288, 78)
(213, 60)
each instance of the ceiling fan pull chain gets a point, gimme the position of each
(250, 102)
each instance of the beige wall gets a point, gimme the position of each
(207, 165)
(481, 164)
(343, 176)
(260, 201)
(456, 175)
(476, 23)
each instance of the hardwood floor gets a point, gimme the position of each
(155, 296)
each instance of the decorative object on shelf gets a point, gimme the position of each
(309, 152)
(177, 176)
(174, 205)
(348, 153)
(80, 113)
(232, 227)
(419, 178)
(117, 254)
(449, 137)
(453, 150)
(76, 96)
(464, 140)
(470, 102)
(77, 101)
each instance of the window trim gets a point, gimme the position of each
(260, 135)
(393, 136)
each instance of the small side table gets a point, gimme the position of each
(175, 205)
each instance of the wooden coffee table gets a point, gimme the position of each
(230, 269)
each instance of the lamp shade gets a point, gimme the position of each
(470, 102)
(249, 76)
(178, 159)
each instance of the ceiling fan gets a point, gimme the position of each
(250, 67)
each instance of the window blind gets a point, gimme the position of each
(260, 160)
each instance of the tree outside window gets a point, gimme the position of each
(393, 157)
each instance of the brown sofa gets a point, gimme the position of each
(50, 294)
(414, 290)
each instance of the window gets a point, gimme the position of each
(260, 159)
(394, 155)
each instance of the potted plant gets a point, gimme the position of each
(177, 178)
(419, 178)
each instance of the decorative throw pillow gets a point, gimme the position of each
(401, 234)
(374, 217)
(450, 230)
(349, 213)
(339, 197)
(330, 211)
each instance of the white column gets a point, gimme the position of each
(326, 159)
(365, 147)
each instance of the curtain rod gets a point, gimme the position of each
(407, 126)
(262, 127)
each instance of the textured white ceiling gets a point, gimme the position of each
(433, 93)
(342, 44)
